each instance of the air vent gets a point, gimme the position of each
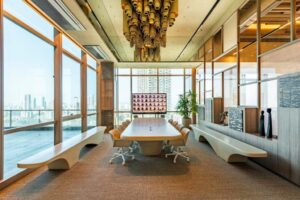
(60, 13)
(96, 51)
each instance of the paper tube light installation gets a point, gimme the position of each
(145, 25)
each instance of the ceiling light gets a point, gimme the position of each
(145, 24)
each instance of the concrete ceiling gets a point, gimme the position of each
(183, 39)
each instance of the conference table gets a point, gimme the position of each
(150, 133)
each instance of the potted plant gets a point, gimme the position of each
(187, 106)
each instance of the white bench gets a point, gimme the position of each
(65, 154)
(229, 149)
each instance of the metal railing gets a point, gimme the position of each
(15, 117)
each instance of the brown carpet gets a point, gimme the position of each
(205, 177)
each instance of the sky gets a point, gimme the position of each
(29, 61)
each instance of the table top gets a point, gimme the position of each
(150, 129)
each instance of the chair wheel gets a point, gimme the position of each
(123, 163)
(174, 161)
(110, 162)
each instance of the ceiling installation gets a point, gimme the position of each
(145, 25)
(109, 17)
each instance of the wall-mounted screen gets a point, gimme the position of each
(149, 103)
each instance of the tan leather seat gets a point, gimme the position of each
(121, 145)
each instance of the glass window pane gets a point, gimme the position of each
(91, 121)
(202, 92)
(152, 71)
(71, 47)
(91, 91)
(124, 71)
(230, 88)
(208, 95)
(208, 65)
(124, 93)
(91, 62)
(198, 92)
(71, 128)
(19, 9)
(20, 145)
(200, 72)
(175, 116)
(171, 71)
(188, 71)
(144, 84)
(248, 43)
(121, 117)
(71, 86)
(248, 95)
(218, 85)
(269, 100)
(173, 86)
(28, 78)
(280, 62)
(226, 62)
(248, 64)
(275, 25)
(188, 83)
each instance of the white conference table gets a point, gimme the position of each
(150, 134)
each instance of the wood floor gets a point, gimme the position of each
(205, 177)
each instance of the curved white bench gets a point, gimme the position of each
(229, 149)
(65, 154)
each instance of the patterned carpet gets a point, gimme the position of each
(205, 177)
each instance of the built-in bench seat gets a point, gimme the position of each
(65, 154)
(229, 149)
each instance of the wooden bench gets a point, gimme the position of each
(65, 154)
(229, 149)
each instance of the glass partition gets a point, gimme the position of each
(230, 88)
(275, 24)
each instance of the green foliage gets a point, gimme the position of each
(187, 104)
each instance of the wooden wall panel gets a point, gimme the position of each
(107, 95)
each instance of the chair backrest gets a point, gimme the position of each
(124, 124)
(175, 123)
(179, 127)
(121, 128)
(115, 134)
(116, 138)
(170, 121)
(128, 121)
(185, 134)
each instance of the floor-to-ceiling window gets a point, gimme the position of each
(29, 85)
(173, 82)
(91, 93)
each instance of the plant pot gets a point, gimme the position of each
(186, 122)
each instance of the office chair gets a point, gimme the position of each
(178, 144)
(121, 145)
